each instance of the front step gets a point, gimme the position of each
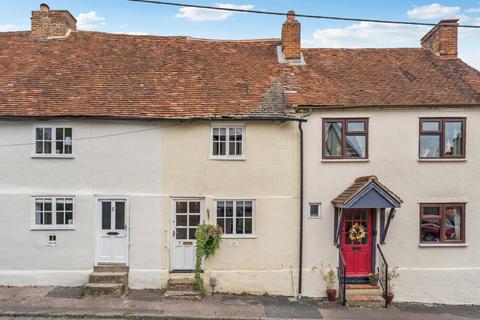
(364, 295)
(182, 288)
(107, 280)
(104, 289)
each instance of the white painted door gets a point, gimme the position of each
(186, 216)
(113, 231)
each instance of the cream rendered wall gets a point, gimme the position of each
(126, 165)
(269, 175)
(446, 274)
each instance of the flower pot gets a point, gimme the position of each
(389, 298)
(331, 294)
(373, 282)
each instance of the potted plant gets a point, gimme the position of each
(393, 274)
(373, 278)
(328, 277)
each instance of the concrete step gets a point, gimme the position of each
(109, 277)
(184, 295)
(181, 281)
(365, 301)
(363, 290)
(104, 289)
(110, 268)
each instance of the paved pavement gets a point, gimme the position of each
(63, 303)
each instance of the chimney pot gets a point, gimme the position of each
(291, 37)
(442, 39)
(44, 7)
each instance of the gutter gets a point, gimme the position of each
(300, 262)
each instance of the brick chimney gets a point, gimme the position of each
(48, 23)
(291, 37)
(442, 39)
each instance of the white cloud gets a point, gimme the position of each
(8, 27)
(89, 21)
(473, 10)
(367, 34)
(198, 14)
(433, 11)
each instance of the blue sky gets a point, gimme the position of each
(141, 18)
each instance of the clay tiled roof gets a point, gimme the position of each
(111, 75)
(358, 185)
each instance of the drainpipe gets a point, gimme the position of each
(300, 262)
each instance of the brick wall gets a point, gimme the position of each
(52, 23)
(442, 40)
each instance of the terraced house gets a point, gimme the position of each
(115, 147)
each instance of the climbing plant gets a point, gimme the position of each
(208, 241)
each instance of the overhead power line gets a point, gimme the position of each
(176, 4)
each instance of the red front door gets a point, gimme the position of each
(357, 241)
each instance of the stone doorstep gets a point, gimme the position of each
(367, 301)
(181, 281)
(110, 268)
(108, 277)
(104, 289)
(184, 295)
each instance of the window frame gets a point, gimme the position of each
(54, 225)
(234, 222)
(441, 134)
(441, 218)
(54, 140)
(227, 156)
(345, 133)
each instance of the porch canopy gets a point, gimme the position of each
(366, 192)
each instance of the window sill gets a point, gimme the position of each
(238, 237)
(344, 160)
(52, 156)
(51, 228)
(227, 159)
(441, 160)
(443, 245)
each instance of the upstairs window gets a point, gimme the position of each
(53, 141)
(53, 213)
(442, 223)
(442, 138)
(345, 138)
(228, 142)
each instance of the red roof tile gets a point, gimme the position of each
(110, 75)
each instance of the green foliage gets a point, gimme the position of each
(328, 276)
(208, 241)
(373, 276)
(392, 274)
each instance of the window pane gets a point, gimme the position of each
(333, 139)
(248, 208)
(181, 207)
(47, 133)
(106, 215)
(68, 140)
(191, 233)
(248, 226)
(314, 210)
(228, 226)
(231, 148)
(194, 220)
(181, 220)
(39, 133)
(59, 133)
(453, 138)
(355, 126)
(239, 208)
(181, 233)
(431, 211)
(220, 209)
(239, 226)
(59, 147)
(119, 215)
(221, 223)
(69, 217)
(47, 147)
(229, 209)
(356, 146)
(430, 126)
(216, 149)
(48, 217)
(194, 207)
(430, 230)
(239, 150)
(39, 147)
(60, 217)
(222, 149)
(38, 217)
(429, 146)
(452, 224)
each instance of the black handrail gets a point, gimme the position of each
(383, 274)
(342, 276)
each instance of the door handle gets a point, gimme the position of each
(113, 233)
(173, 233)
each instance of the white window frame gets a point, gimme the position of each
(234, 234)
(54, 225)
(53, 154)
(310, 204)
(227, 127)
